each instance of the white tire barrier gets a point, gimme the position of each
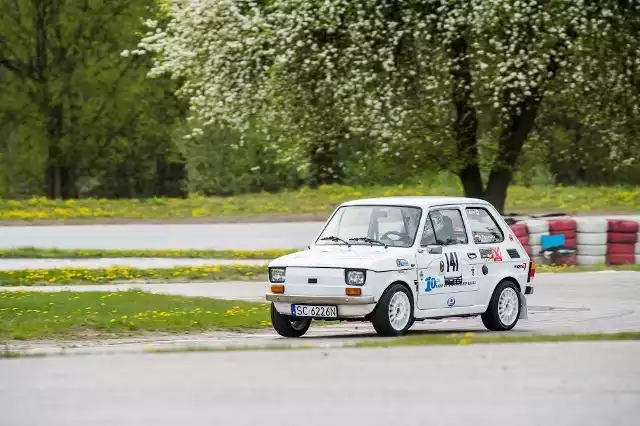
(591, 239)
(592, 225)
(591, 260)
(536, 239)
(597, 240)
(592, 250)
(537, 226)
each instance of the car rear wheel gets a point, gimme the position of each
(394, 313)
(504, 308)
(287, 326)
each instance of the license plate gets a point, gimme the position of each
(314, 311)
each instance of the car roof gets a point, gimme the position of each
(423, 201)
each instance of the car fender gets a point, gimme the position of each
(383, 280)
(520, 281)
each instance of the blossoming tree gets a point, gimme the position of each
(388, 71)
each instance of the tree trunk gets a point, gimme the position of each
(54, 171)
(465, 126)
(512, 139)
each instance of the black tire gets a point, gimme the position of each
(491, 318)
(380, 318)
(283, 325)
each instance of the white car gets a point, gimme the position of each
(396, 260)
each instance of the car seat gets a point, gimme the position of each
(447, 233)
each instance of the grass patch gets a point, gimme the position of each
(471, 338)
(84, 276)
(71, 276)
(38, 253)
(322, 200)
(589, 268)
(71, 315)
(423, 340)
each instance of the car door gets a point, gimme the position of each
(497, 257)
(446, 276)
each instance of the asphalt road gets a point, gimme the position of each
(240, 236)
(589, 302)
(567, 384)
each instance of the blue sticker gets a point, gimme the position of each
(451, 301)
(431, 283)
(402, 262)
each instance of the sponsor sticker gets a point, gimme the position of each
(457, 282)
(520, 266)
(432, 283)
(402, 262)
(490, 254)
(451, 302)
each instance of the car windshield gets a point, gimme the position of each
(394, 226)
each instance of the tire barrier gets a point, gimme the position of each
(622, 237)
(594, 240)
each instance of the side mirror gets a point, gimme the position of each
(435, 249)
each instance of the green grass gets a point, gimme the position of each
(71, 276)
(72, 315)
(586, 268)
(483, 338)
(38, 253)
(84, 276)
(422, 340)
(322, 200)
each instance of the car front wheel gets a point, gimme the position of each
(504, 308)
(394, 313)
(287, 326)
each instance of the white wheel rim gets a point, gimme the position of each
(508, 305)
(399, 310)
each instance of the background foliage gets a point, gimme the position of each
(276, 95)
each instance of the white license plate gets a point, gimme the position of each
(314, 311)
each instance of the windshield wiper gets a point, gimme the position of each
(368, 240)
(333, 238)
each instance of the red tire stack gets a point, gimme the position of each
(521, 231)
(622, 236)
(566, 227)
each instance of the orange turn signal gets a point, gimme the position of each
(351, 291)
(277, 288)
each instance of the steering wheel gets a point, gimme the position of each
(401, 237)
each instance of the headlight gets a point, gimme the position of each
(355, 276)
(276, 275)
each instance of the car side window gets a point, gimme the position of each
(428, 236)
(484, 228)
(448, 227)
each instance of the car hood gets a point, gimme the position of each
(372, 258)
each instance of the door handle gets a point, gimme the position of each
(472, 255)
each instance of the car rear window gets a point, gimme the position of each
(484, 228)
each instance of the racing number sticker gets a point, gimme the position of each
(453, 264)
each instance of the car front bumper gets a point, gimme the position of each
(320, 300)
(348, 306)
